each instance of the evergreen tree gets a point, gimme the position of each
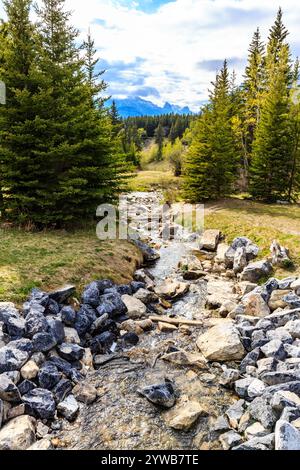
(96, 84)
(272, 148)
(159, 140)
(211, 162)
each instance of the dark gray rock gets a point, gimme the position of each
(56, 328)
(52, 308)
(91, 295)
(235, 412)
(70, 352)
(39, 403)
(26, 386)
(160, 394)
(43, 342)
(292, 300)
(68, 315)
(8, 390)
(230, 439)
(289, 386)
(22, 344)
(49, 376)
(15, 327)
(241, 386)
(261, 411)
(149, 254)
(35, 322)
(12, 358)
(135, 286)
(250, 359)
(62, 389)
(130, 338)
(63, 294)
(84, 319)
(111, 304)
(67, 369)
(39, 297)
(102, 324)
(255, 271)
(102, 343)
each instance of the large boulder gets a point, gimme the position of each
(255, 271)
(221, 343)
(210, 239)
(135, 307)
(18, 434)
(249, 250)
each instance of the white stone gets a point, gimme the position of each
(136, 308)
(209, 239)
(287, 437)
(221, 343)
(71, 335)
(30, 370)
(18, 434)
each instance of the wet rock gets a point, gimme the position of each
(235, 412)
(255, 271)
(40, 403)
(255, 305)
(85, 393)
(221, 343)
(68, 408)
(43, 342)
(183, 416)
(274, 348)
(63, 294)
(70, 352)
(230, 439)
(261, 411)
(186, 358)
(160, 394)
(149, 254)
(172, 289)
(130, 339)
(26, 386)
(29, 370)
(48, 376)
(209, 240)
(287, 437)
(68, 315)
(8, 390)
(62, 389)
(135, 308)
(102, 343)
(18, 434)
(12, 358)
(283, 399)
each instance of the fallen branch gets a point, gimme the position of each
(176, 321)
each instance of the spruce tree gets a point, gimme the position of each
(211, 163)
(159, 140)
(272, 148)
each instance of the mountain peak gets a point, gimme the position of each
(135, 106)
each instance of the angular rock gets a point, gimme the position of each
(287, 437)
(71, 336)
(40, 403)
(101, 344)
(220, 424)
(292, 300)
(229, 376)
(230, 439)
(12, 358)
(69, 371)
(26, 386)
(274, 349)
(135, 308)
(15, 327)
(255, 430)
(255, 271)
(261, 411)
(8, 390)
(30, 370)
(160, 394)
(257, 443)
(70, 352)
(276, 299)
(172, 289)
(111, 304)
(283, 399)
(68, 315)
(35, 322)
(62, 389)
(149, 254)
(18, 434)
(145, 296)
(63, 294)
(235, 412)
(241, 386)
(85, 393)
(56, 329)
(48, 376)
(256, 388)
(293, 327)
(210, 239)
(183, 416)
(186, 358)
(280, 334)
(255, 305)
(43, 342)
(240, 260)
(68, 408)
(43, 444)
(274, 378)
(221, 343)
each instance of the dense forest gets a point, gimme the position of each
(247, 137)
(63, 150)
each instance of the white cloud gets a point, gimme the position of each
(175, 38)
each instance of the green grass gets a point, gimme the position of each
(157, 180)
(51, 259)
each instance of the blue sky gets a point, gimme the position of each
(170, 50)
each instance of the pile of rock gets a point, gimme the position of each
(48, 347)
(267, 416)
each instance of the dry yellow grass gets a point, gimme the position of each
(51, 259)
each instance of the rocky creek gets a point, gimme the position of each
(195, 353)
